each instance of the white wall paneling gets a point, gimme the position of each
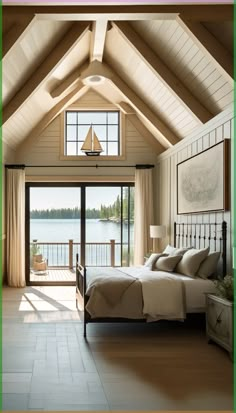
(216, 130)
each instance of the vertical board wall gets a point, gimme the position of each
(214, 131)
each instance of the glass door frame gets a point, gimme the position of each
(82, 186)
(28, 186)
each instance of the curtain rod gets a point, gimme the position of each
(138, 166)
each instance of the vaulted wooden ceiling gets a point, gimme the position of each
(169, 68)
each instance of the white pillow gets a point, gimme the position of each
(169, 250)
(191, 261)
(152, 259)
(167, 263)
(209, 265)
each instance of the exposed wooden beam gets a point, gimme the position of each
(68, 81)
(163, 72)
(144, 132)
(54, 58)
(16, 33)
(99, 30)
(203, 12)
(210, 46)
(126, 108)
(52, 114)
(166, 137)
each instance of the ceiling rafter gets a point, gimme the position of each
(99, 30)
(218, 54)
(16, 33)
(197, 12)
(144, 132)
(33, 136)
(68, 81)
(163, 72)
(126, 108)
(54, 58)
(166, 137)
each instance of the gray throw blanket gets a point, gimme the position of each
(109, 282)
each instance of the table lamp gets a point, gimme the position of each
(157, 231)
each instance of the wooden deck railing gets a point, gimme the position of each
(62, 254)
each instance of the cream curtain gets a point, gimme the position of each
(15, 211)
(143, 213)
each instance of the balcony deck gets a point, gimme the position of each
(53, 275)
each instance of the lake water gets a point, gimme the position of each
(61, 230)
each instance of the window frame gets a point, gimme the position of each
(121, 132)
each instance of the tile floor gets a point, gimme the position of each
(47, 364)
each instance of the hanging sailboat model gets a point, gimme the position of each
(91, 145)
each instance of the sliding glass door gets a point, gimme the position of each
(109, 225)
(94, 221)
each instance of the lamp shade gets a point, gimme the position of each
(157, 231)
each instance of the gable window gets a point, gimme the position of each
(105, 125)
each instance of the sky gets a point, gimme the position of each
(48, 198)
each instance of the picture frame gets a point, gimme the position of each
(203, 181)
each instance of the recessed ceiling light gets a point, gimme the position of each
(95, 79)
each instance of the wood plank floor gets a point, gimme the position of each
(47, 364)
(54, 275)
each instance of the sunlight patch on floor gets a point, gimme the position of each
(41, 304)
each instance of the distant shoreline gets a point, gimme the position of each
(112, 220)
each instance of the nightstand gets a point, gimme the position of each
(219, 321)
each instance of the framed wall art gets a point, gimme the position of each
(202, 181)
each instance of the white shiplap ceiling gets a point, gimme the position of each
(166, 63)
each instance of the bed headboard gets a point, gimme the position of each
(203, 235)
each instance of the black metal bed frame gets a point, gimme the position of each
(202, 235)
(185, 234)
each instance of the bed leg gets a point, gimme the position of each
(85, 330)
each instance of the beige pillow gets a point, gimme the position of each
(191, 261)
(152, 259)
(167, 263)
(181, 251)
(175, 251)
(209, 265)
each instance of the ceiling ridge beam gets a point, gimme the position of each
(16, 32)
(68, 81)
(167, 137)
(34, 134)
(197, 12)
(54, 58)
(163, 72)
(210, 46)
(98, 37)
